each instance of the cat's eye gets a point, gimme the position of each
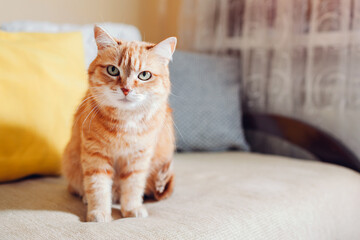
(145, 75)
(112, 70)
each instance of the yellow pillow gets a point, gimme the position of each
(42, 79)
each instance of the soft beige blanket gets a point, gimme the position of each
(217, 196)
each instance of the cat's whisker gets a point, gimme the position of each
(178, 130)
(175, 95)
(80, 114)
(86, 99)
(169, 131)
(96, 112)
(83, 102)
(93, 108)
(94, 115)
(82, 126)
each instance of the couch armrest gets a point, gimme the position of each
(321, 144)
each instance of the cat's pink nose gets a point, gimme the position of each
(125, 91)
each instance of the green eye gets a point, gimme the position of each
(112, 70)
(145, 75)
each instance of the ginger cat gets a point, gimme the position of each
(122, 140)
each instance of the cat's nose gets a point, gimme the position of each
(125, 91)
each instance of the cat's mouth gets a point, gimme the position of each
(124, 100)
(130, 100)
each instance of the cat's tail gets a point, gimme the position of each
(161, 182)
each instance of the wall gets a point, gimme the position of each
(159, 19)
(156, 19)
(70, 11)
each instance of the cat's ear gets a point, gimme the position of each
(166, 48)
(103, 39)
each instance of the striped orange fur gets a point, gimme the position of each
(122, 139)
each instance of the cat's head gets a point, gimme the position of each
(130, 75)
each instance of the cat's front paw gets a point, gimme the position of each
(98, 216)
(139, 212)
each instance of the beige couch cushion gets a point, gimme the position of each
(217, 196)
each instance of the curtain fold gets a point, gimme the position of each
(300, 58)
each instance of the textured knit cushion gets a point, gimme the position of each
(42, 79)
(217, 196)
(206, 102)
(121, 31)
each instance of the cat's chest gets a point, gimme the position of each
(136, 134)
(130, 142)
(132, 126)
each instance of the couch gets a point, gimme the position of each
(217, 196)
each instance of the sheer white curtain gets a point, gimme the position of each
(300, 58)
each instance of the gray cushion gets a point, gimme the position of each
(206, 102)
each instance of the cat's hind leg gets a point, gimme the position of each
(160, 183)
(72, 170)
(115, 194)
